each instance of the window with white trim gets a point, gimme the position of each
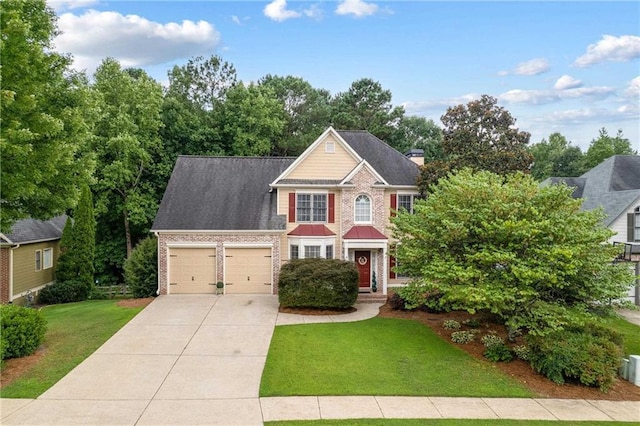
(312, 251)
(328, 251)
(47, 258)
(294, 252)
(330, 147)
(406, 201)
(311, 207)
(38, 260)
(636, 229)
(362, 209)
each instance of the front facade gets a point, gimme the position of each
(28, 257)
(237, 220)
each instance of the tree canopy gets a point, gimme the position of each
(44, 114)
(605, 146)
(556, 157)
(502, 244)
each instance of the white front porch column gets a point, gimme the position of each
(385, 272)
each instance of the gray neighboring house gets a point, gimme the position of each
(28, 257)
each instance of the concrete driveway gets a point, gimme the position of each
(185, 359)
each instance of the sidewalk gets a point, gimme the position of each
(193, 360)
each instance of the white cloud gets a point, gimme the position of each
(314, 12)
(357, 8)
(567, 82)
(439, 105)
(235, 19)
(590, 115)
(610, 48)
(277, 11)
(131, 39)
(633, 89)
(533, 67)
(540, 97)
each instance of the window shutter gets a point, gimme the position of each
(292, 207)
(332, 208)
(630, 226)
(392, 264)
(394, 204)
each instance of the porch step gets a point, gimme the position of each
(372, 298)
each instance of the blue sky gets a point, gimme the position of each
(568, 67)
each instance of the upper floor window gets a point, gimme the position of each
(330, 147)
(406, 201)
(311, 208)
(363, 209)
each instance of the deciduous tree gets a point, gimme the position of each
(605, 146)
(502, 244)
(483, 136)
(555, 157)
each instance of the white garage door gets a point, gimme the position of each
(192, 270)
(247, 270)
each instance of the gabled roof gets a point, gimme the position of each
(32, 230)
(393, 166)
(364, 232)
(613, 185)
(221, 193)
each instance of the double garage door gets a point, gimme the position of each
(246, 270)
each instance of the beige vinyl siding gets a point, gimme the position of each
(25, 276)
(323, 165)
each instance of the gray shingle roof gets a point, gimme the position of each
(613, 185)
(33, 230)
(394, 167)
(222, 193)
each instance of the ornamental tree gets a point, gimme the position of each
(502, 244)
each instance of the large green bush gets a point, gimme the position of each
(64, 292)
(141, 269)
(318, 283)
(590, 355)
(21, 330)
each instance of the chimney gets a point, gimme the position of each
(416, 155)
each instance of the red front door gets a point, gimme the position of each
(363, 260)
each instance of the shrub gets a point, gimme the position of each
(497, 352)
(471, 322)
(21, 330)
(451, 325)
(589, 354)
(491, 339)
(463, 336)
(141, 269)
(522, 352)
(64, 292)
(318, 283)
(396, 302)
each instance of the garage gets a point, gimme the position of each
(247, 270)
(192, 270)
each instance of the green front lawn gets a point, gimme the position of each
(379, 356)
(631, 333)
(74, 331)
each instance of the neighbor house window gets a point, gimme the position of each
(363, 209)
(47, 258)
(311, 251)
(330, 147)
(295, 252)
(38, 260)
(637, 225)
(311, 208)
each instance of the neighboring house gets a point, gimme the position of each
(28, 257)
(614, 186)
(238, 219)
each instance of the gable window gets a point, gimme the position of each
(330, 147)
(38, 260)
(47, 258)
(311, 208)
(363, 209)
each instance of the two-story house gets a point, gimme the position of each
(238, 219)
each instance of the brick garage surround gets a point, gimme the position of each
(219, 240)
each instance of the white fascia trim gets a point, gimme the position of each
(311, 148)
(359, 167)
(4, 237)
(625, 211)
(354, 244)
(306, 185)
(219, 232)
(407, 192)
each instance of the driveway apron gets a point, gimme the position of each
(185, 359)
